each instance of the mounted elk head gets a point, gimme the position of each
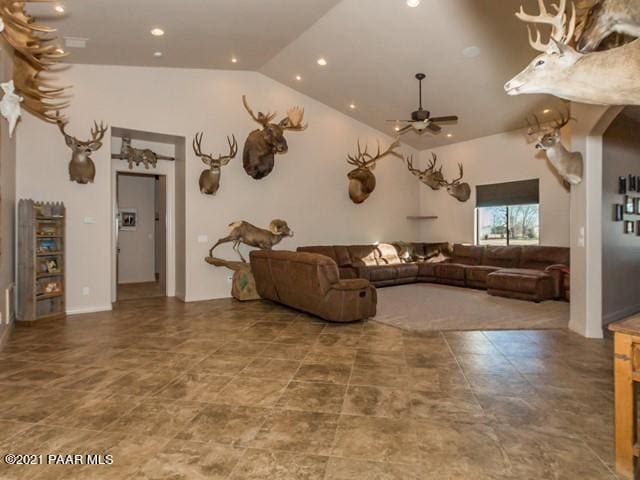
(210, 178)
(244, 232)
(262, 145)
(81, 168)
(429, 176)
(568, 164)
(602, 18)
(362, 181)
(603, 78)
(457, 189)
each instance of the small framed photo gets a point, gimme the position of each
(636, 202)
(629, 205)
(622, 185)
(629, 227)
(128, 219)
(632, 186)
(618, 212)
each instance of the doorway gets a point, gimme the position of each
(141, 264)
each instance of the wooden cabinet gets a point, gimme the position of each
(41, 254)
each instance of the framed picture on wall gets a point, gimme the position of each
(618, 212)
(632, 186)
(128, 219)
(636, 202)
(629, 227)
(622, 185)
(629, 205)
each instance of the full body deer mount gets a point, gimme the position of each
(602, 18)
(362, 181)
(605, 77)
(244, 232)
(430, 176)
(568, 164)
(81, 168)
(461, 191)
(210, 178)
(262, 145)
(137, 156)
(35, 53)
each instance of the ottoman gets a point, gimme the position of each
(523, 284)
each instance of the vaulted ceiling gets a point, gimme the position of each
(373, 48)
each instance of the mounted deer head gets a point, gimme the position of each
(601, 18)
(81, 168)
(362, 181)
(262, 145)
(568, 164)
(604, 78)
(458, 190)
(210, 178)
(429, 176)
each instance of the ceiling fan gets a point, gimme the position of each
(421, 119)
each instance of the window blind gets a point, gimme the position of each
(524, 192)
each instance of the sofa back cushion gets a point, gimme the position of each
(363, 255)
(436, 249)
(504, 257)
(539, 258)
(387, 254)
(467, 254)
(338, 253)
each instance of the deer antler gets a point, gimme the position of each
(417, 172)
(97, 132)
(365, 159)
(561, 33)
(209, 159)
(457, 180)
(262, 119)
(294, 119)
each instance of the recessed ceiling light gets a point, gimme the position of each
(471, 52)
(322, 62)
(352, 106)
(546, 110)
(449, 135)
(397, 128)
(157, 54)
(413, 3)
(234, 60)
(157, 32)
(59, 8)
(298, 77)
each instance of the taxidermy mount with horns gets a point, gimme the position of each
(210, 177)
(81, 168)
(362, 181)
(244, 232)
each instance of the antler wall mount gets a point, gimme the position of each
(81, 168)
(362, 181)
(210, 177)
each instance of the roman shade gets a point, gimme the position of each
(524, 192)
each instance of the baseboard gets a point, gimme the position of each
(620, 314)
(78, 311)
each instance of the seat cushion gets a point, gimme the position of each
(452, 271)
(534, 284)
(539, 258)
(476, 276)
(467, 254)
(380, 273)
(504, 257)
(427, 270)
(407, 270)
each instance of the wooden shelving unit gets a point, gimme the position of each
(41, 251)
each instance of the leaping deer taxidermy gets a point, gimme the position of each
(81, 168)
(429, 176)
(568, 164)
(35, 53)
(461, 191)
(137, 156)
(262, 145)
(210, 178)
(607, 77)
(362, 181)
(602, 18)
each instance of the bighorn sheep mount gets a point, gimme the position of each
(35, 53)
(10, 105)
(431, 177)
(210, 177)
(262, 145)
(568, 164)
(362, 181)
(138, 156)
(608, 77)
(461, 191)
(81, 168)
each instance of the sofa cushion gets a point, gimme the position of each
(387, 255)
(380, 273)
(409, 270)
(343, 259)
(436, 249)
(505, 257)
(477, 275)
(348, 273)
(467, 254)
(326, 250)
(453, 271)
(363, 255)
(427, 270)
(530, 284)
(539, 258)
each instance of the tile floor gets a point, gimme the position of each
(222, 390)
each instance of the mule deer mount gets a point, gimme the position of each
(262, 145)
(81, 168)
(606, 77)
(244, 232)
(35, 53)
(430, 176)
(461, 191)
(569, 165)
(602, 18)
(362, 181)
(210, 177)
(137, 156)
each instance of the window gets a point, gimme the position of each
(508, 225)
(508, 213)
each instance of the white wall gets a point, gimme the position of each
(136, 260)
(620, 252)
(495, 159)
(308, 186)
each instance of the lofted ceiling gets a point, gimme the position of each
(373, 49)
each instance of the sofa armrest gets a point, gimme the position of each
(558, 272)
(558, 267)
(352, 284)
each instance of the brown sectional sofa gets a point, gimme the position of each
(524, 272)
(311, 283)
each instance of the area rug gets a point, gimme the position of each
(428, 307)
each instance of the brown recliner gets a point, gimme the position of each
(311, 283)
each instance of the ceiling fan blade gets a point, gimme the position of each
(450, 118)
(399, 121)
(405, 129)
(434, 128)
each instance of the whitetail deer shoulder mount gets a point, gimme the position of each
(430, 176)
(607, 77)
(362, 181)
(569, 165)
(244, 232)
(461, 191)
(602, 18)
(262, 145)
(81, 168)
(210, 177)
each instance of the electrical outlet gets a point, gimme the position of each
(85, 291)
(230, 279)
